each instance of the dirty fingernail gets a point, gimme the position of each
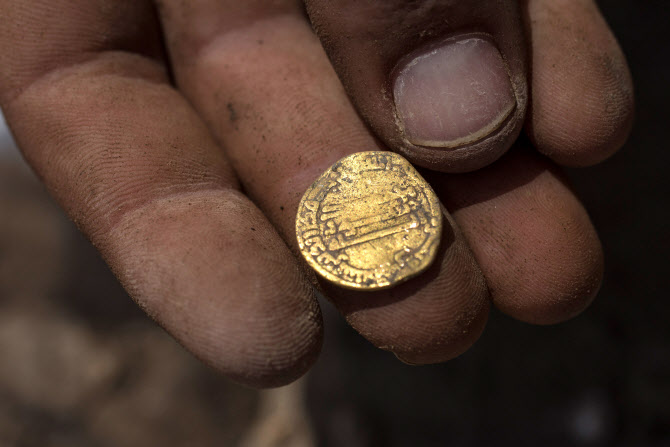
(453, 93)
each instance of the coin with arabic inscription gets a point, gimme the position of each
(369, 222)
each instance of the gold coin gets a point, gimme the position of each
(369, 222)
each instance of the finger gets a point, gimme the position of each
(264, 84)
(582, 95)
(137, 170)
(443, 83)
(532, 238)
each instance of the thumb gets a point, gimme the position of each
(443, 83)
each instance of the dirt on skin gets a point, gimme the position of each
(83, 366)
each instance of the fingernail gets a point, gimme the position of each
(454, 93)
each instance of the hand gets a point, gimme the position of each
(146, 124)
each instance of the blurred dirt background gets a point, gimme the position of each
(80, 365)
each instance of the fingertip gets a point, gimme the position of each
(269, 363)
(259, 362)
(427, 339)
(429, 319)
(581, 119)
(442, 83)
(582, 99)
(454, 341)
(534, 241)
(210, 269)
(564, 283)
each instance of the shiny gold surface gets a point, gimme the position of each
(369, 222)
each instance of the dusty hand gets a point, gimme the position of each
(146, 123)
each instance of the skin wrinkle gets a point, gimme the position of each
(91, 28)
(109, 198)
(232, 16)
(305, 107)
(107, 63)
